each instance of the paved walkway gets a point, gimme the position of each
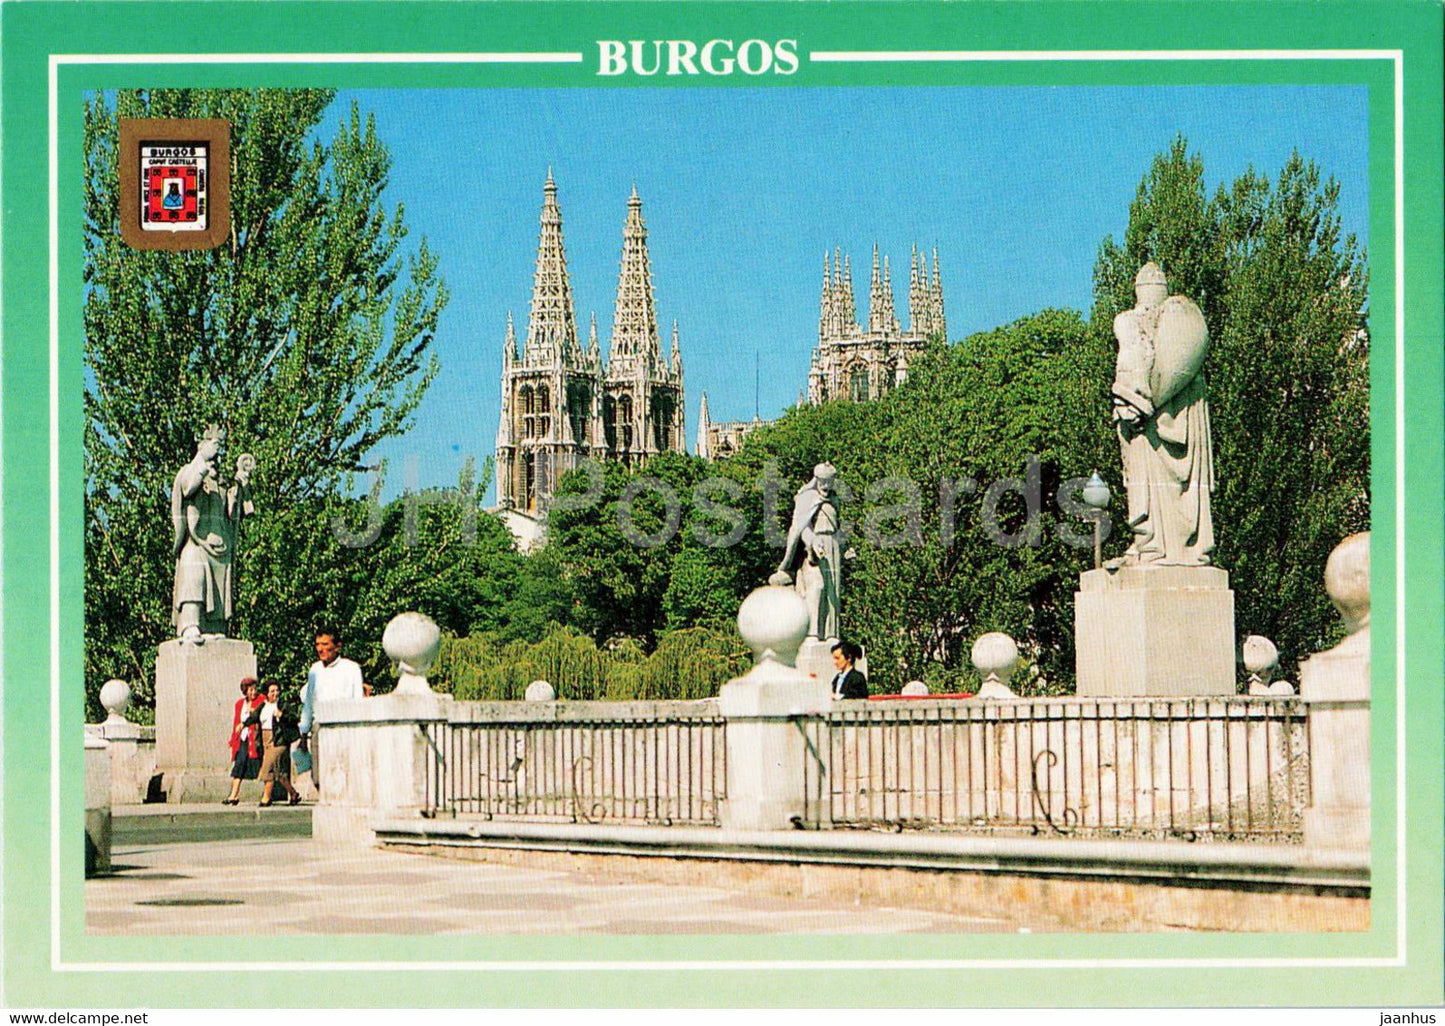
(181, 888)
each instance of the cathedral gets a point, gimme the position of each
(856, 363)
(562, 402)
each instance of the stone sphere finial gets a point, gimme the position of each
(773, 620)
(915, 688)
(996, 656)
(1347, 579)
(411, 642)
(115, 699)
(540, 691)
(1261, 660)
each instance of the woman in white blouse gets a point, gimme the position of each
(278, 730)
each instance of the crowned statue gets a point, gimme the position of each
(205, 518)
(1161, 414)
(814, 552)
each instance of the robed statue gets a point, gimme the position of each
(1161, 413)
(814, 552)
(205, 521)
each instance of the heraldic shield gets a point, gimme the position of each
(1180, 346)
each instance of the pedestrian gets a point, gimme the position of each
(245, 739)
(278, 730)
(330, 678)
(849, 682)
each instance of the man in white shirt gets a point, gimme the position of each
(332, 677)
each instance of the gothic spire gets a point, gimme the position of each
(704, 424)
(676, 350)
(877, 321)
(826, 306)
(890, 322)
(509, 347)
(594, 354)
(937, 324)
(917, 291)
(849, 307)
(634, 322)
(552, 324)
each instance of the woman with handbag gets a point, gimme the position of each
(278, 730)
(245, 739)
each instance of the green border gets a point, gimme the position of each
(33, 31)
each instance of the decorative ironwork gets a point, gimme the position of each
(1207, 769)
(668, 766)
(1071, 816)
(594, 813)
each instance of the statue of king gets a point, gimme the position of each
(205, 518)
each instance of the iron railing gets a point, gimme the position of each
(1233, 768)
(658, 763)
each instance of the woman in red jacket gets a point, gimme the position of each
(245, 739)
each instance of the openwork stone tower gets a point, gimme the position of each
(561, 403)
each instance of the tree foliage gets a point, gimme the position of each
(690, 663)
(305, 335)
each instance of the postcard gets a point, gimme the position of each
(727, 504)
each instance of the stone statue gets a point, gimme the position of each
(1161, 412)
(205, 519)
(812, 558)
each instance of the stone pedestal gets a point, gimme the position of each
(1154, 630)
(1335, 686)
(765, 748)
(196, 691)
(815, 659)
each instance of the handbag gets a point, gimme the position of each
(284, 732)
(300, 761)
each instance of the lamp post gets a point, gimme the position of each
(1096, 495)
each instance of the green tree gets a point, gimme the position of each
(1285, 295)
(616, 547)
(954, 552)
(306, 335)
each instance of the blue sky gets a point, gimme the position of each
(744, 189)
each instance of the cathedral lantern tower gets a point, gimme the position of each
(859, 363)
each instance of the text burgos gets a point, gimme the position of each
(684, 57)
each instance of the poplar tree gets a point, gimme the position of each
(305, 335)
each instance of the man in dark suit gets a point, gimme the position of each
(848, 683)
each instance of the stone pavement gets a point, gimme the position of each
(202, 887)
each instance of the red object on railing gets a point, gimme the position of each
(908, 698)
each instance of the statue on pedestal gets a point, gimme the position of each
(813, 555)
(1161, 412)
(205, 520)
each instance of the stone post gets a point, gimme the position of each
(1335, 687)
(126, 785)
(97, 805)
(196, 691)
(377, 756)
(765, 746)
